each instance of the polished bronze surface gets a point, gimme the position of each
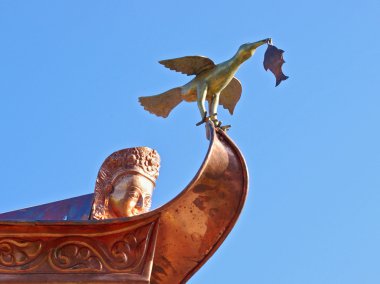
(125, 183)
(166, 245)
(214, 83)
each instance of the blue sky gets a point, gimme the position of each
(70, 76)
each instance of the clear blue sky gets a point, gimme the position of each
(70, 75)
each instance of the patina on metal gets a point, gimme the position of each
(214, 83)
(166, 245)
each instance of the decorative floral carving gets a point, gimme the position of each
(149, 161)
(16, 252)
(76, 257)
(122, 251)
(141, 159)
(124, 254)
(129, 251)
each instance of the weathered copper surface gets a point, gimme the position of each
(196, 222)
(167, 245)
(214, 83)
(125, 183)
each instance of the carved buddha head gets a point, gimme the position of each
(125, 183)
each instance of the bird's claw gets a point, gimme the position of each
(217, 123)
(225, 127)
(204, 119)
(215, 120)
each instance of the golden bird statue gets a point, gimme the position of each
(214, 83)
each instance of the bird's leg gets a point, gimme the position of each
(213, 107)
(201, 98)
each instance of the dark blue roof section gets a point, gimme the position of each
(76, 208)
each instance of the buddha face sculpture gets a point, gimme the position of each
(125, 183)
(131, 195)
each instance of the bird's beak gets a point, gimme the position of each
(256, 44)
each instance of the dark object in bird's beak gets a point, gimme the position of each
(273, 60)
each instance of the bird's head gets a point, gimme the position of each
(248, 49)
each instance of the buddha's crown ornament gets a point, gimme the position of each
(138, 160)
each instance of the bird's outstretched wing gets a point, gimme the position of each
(190, 65)
(231, 95)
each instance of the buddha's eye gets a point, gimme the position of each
(147, 201)
(134, 194)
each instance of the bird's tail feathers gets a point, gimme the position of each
(162, 104)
